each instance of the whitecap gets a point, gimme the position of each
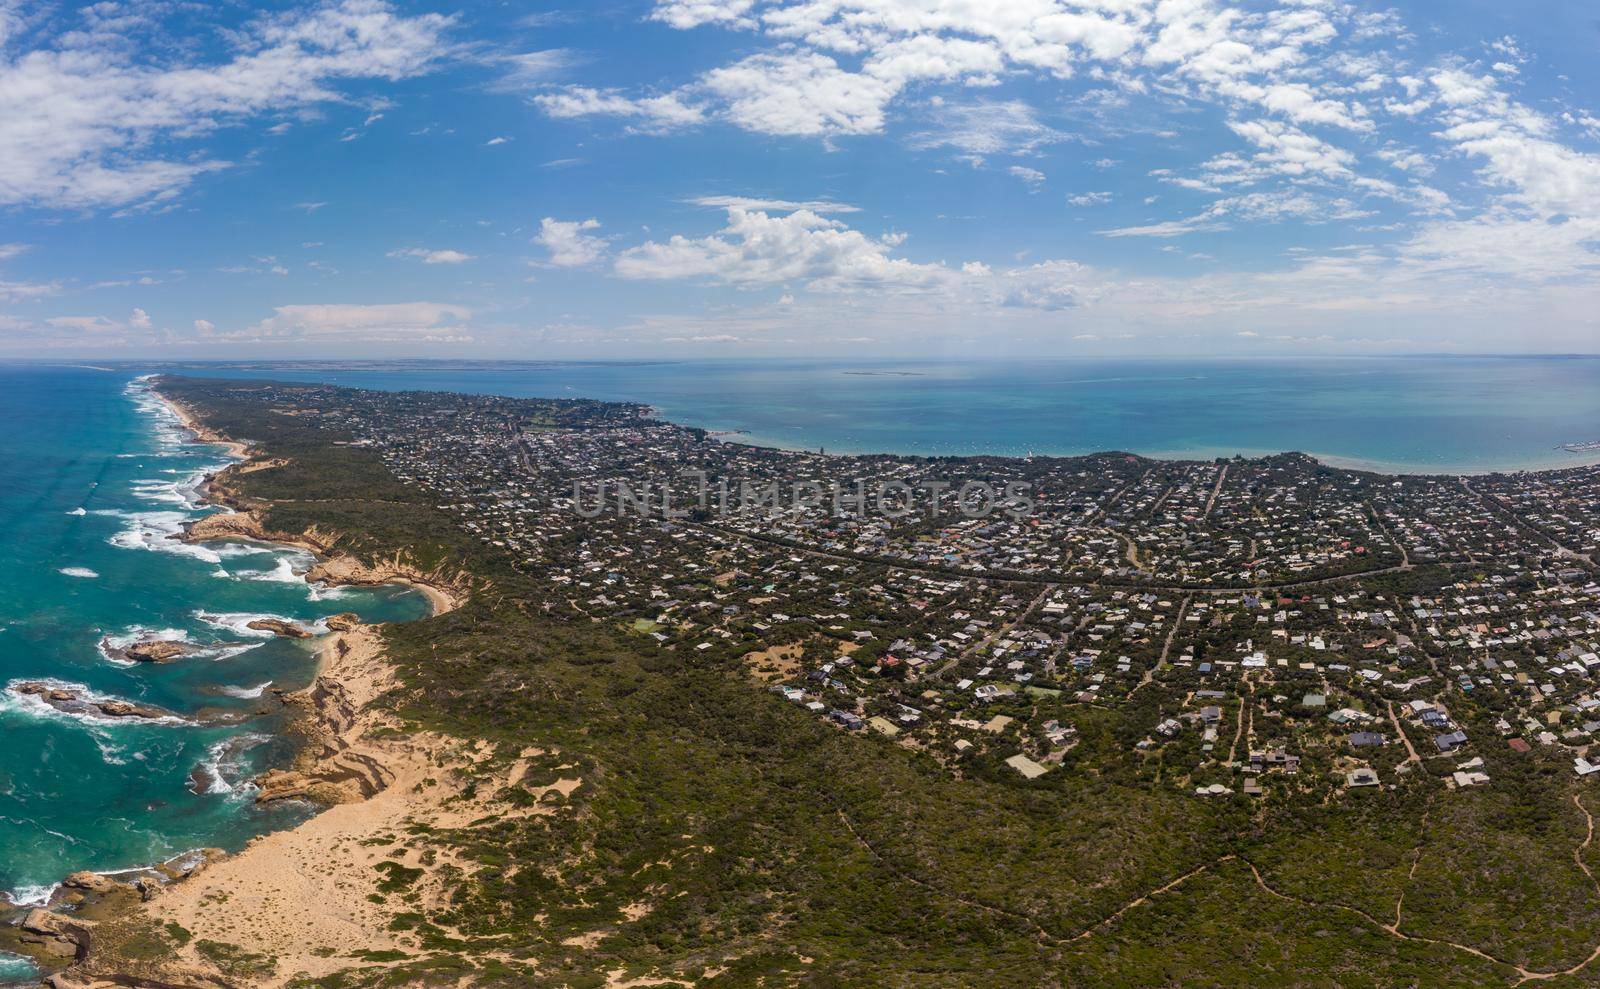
(246, 693)
(110, 645)
(33, 896)
(225, 758)
(238, 622)
(83, 572)
(110, 753)
(160, 532)
(220, 652)
(170, 492)
(79, 511)
(32, 705)
(327, 592)
(283, 573)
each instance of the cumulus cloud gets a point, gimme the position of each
(569, 242)
(85, 121)
(824, 255)
(757, 248)
(800, 87)
(1301, 88)
(800, 93)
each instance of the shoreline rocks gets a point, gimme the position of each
(69, 702)
(343, 622)
(149, 651)
(55, 936)
(280, 628)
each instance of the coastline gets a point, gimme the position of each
(310, 885)
(202, 433)
(1579, 461)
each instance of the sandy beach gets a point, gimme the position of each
(201, 432)
(306, 897)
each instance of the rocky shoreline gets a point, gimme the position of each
(339, 763)
(74, 702)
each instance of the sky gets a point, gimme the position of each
(751, 178)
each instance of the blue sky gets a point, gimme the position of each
(798, 177)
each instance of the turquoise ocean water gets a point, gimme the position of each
(1446, 414)
(94, 474)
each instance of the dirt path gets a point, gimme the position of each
(1245, 702)
(1577, 853)
(1523, 974)
(1211, 502)
(1416, 862)
(1405, 555)
(1042, 932)
(994, 636)
(1392, 929)
(1411, 753)
(1166, 647)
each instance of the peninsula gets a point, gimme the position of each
(1126, 722)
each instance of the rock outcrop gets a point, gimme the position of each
(343, 622)
(55, 935)
(151, 651)
(288, 630)
(69, 702)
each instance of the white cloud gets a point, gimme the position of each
(1253, 207)
(653, 113)
(569, 243)
(397, 322)
(140, 320)
(427, 256)
(800, 93)
(11, 291)
(1089, 199)
(528, 70)
(778, 205)
(84, 324)
(85, 122)
(826, 256)
(756, 248)
(694, 13)
(988, 127)
(1032, 176)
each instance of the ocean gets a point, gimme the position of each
(1402, 414)
(94, 474)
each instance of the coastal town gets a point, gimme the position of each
(1272, 628)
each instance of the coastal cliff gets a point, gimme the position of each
(333, 567)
